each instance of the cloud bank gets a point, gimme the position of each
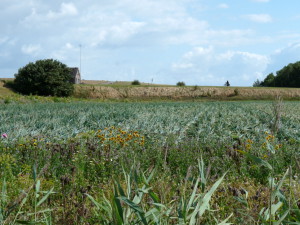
(199, 42)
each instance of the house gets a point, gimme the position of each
(76, 78)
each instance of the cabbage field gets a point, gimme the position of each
(210, 120)
(150, 163)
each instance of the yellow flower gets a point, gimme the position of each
(250, 141)
(269, 137)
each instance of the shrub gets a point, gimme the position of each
(136, 82)
(180, 83)
(44, 77)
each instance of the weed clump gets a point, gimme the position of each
(136, 82)
(180, 84)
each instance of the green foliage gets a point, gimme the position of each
(288, 76)
(180, 84)
(257, 83)
(130, 205)
(44, 77)
(8, 83)
(136, 82)
(269, 81)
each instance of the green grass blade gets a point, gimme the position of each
(282, 218)
(45, 197)
(205, 201)
(193, 195)
(136, 208)
(37, 187)
(224, 222)
(118, 210)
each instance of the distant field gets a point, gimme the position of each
(144, 92)
(122, 90)
(120, 83)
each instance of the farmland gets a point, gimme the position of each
(137, 163)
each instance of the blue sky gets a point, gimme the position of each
(200, 42)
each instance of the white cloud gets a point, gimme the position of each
(198, 51)
(206, 66)
(259, 18)
(150, 36)
(66, 9)
(42, 15)
(284, 56)
(31, 49)
(116, 34)
(177, 66)
(223, 6)
(129, 22)
(69, 45)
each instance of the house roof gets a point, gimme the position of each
(74, 71)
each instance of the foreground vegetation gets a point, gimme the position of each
(150, 163)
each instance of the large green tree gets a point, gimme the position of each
(44, 77)
(269, 81)
(288, 76)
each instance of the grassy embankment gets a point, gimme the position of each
(124, 91)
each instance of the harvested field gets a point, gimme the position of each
(110, 92)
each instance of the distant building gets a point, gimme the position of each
(76, 78)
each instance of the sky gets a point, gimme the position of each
(199, 42)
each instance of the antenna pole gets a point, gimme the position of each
(80, 58)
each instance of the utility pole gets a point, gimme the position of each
(80, 58)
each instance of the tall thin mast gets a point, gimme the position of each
(80, 58)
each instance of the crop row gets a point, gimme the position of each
(203, 120)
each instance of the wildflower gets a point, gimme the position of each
(269, 137)
(4, 135)
(249, 141)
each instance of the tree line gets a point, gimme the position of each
(288, 76)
